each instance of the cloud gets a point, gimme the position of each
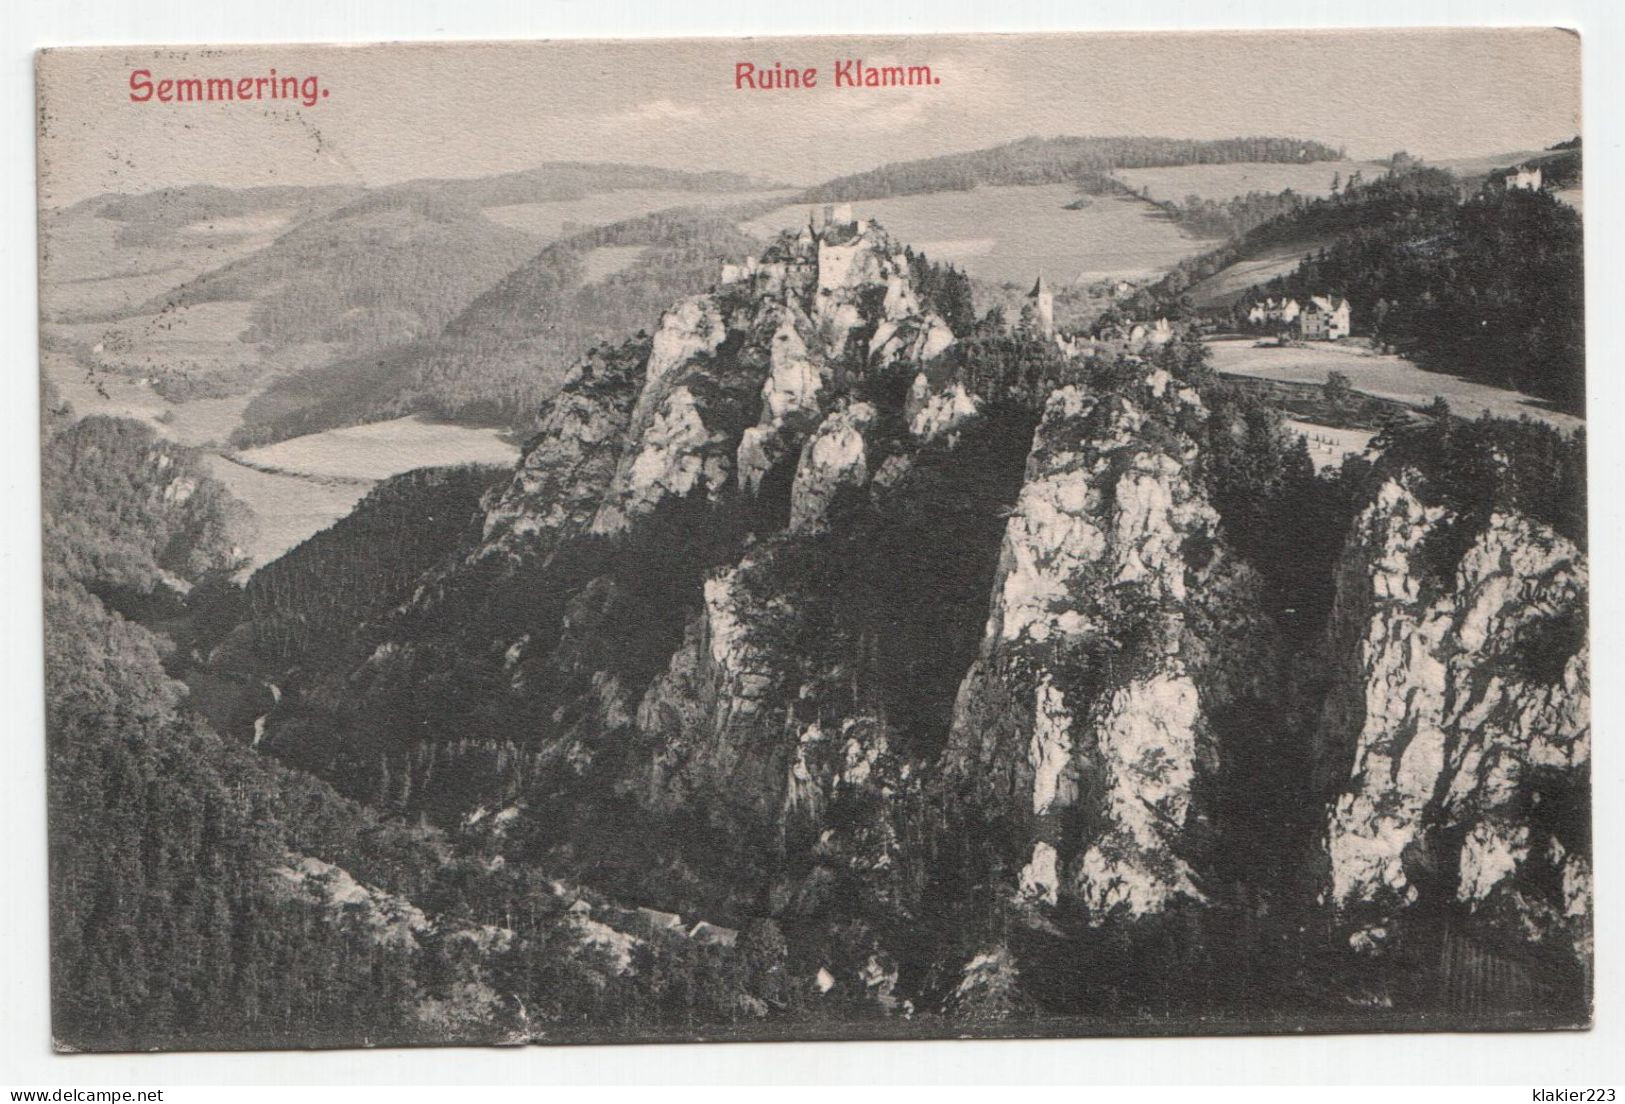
(888, 111)
(657, 111)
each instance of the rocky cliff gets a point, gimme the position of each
(953, 655)
(1457, 732)
(1119, 624)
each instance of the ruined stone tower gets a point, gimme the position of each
(1041, 308)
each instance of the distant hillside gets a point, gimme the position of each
(1417, 192)
(1489, 164)
(1057, 160)
(1560, 167)
(547, 182)
(1483, 282)
(552, 181)
(388, 267)
(1490, 289)
(152, 218)
(504, 353)
(1264, 243)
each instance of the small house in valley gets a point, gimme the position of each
(1274, 311)
(1524, 176)
(1324, 318)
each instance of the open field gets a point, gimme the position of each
(316, 479)
(1386, 377)
(1010, 234)
(382, 449)
(1227, 285)
(1221, 182)
(606, 261)
(1482, 164)
(205, 339)
(286, 508)
(552, 220)
(199, 423)
(85, 273)
(300, 486)
(105, 358)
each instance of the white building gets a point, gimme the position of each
(1524, 177)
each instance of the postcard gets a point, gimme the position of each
(821, 538)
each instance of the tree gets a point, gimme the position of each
(1338, 392)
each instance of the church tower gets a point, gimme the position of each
(1041, 302)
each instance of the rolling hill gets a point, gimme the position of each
(388, 267)
(1058, 160)
(1218, 279)
(1003, 214)
(496, 359)
(204, 292)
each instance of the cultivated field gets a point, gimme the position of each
(104, 358)
(1385, 377)
(86, 273)
(1011, 234)
(300, 486)
(1221, 182)
(606, 261)
(382, 449)
(201, 338)
(199, 423)
(1484, 163)
(287, 509)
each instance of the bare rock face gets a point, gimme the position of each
(745, 392)
(785, 336)
(1462, 705)
(678, 438)
(835, 455)
(750, 378)
(793, 394)
(932, 412)
(1086, 718)
(727, 735)
(709, 713)
(692, 327)
(909, 339)
(567, 467)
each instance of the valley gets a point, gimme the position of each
(1379, 375)
(1011, 234)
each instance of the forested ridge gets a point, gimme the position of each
(502, 356)
(1489, 289)
(1475, 279)
(384, 268)
(308, 601)
(203, 895)
(1056, 161)
(505, 351)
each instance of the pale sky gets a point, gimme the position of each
(395, 112)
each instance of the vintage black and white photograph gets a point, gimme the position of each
(815, 538)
